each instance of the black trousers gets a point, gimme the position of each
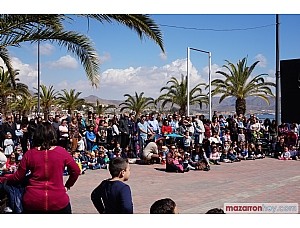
(66, 210)
(124, 140)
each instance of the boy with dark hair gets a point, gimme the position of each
(215, 211)
(113, 196)
(164, 206)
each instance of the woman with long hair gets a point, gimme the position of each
(45, 191)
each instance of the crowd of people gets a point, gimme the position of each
(181, 143)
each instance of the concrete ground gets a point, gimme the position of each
(260, 181)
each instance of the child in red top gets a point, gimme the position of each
(11, 164)
(166, 128)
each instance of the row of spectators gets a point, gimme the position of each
(127, 136)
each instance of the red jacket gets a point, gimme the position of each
(166, 129)
(45, 190)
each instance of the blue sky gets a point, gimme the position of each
(130, 65)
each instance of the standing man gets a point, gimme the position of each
(89, 120)
(124, 129)
(81, 124)
(174, 122)
(55, 124)
(153, 124)
(50, 118)
(142, 133)
(199, 130)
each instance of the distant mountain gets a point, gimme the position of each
(254, 104)
(93, 99)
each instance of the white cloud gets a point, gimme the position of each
(27, 73)
(105, 57)
(115, 83)
(46, 49)
(66, 61)
(262, 60)
(163, 56)
(214, 69)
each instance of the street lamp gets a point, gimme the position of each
(38, 82)
(188, 80)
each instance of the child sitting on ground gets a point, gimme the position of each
(215, 155)
(102, 160)
(231, 155)
(178, 162)
(294, 152)
(19, 154)
(76, 157)
(94, 161)
(286, 155)
(224, 156)
(187, 162)
(11, 164)
(243, 153)
(172, 162)
(84, 159)
(259, 152)
(251, 151)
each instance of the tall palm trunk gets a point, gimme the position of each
(46, 113)
(24, 113)
(182, 111)
(240, 106)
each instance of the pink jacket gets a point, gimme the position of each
(45, 190)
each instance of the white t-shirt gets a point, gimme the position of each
(81, 146)
(150, 149)
(64, 131)
(9, 146)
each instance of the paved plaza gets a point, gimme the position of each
(260, 181)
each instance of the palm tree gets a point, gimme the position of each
(177, 94)
(16, 29)
(70, 100)
(48, 98)
(8, 92)
(24, 105)
(238, 84)
(137, 103)
(101, 109)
